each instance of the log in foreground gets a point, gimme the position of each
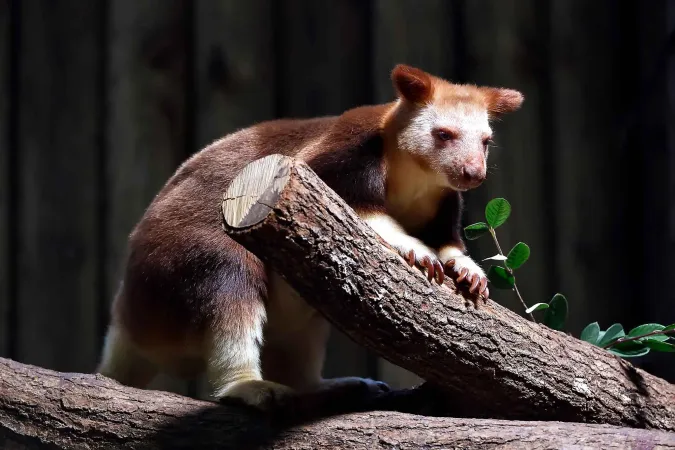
(40, 408)
(499, 364)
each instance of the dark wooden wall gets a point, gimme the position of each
(101, 100)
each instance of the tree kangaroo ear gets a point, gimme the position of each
(501, 100)
(412, 84)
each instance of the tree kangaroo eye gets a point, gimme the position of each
(445, 135)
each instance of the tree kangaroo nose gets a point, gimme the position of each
(474, 173)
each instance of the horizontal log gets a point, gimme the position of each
(40, 408)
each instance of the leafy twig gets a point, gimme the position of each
(497, 212)
(639, 341)
(510, 271)
(636, 338)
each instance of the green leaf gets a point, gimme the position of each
(657, 337)
(669, 327)
(644, 329)
(496, 258)
(517, 256)
(612, 334)
(658, 345)
(556, 314)
(500, 278)
(497, 211)
(476, 230)
(629, 353)
(536, 307)
(600, 336)
(591, 333)
(630, 349)
(648, 328)
(628, 345)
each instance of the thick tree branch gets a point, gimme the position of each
(40, 408)
(499, 364)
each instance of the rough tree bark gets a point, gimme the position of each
(40, 408)
(499, 364)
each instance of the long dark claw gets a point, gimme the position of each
(426, 263)
(440, 274)
(474, 283)
(411, 258)
(449, 264)
(483, 286)
(486, 295)
(462, 274)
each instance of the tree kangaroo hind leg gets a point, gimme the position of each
(233, 366)
(122, 361)
(295, 345)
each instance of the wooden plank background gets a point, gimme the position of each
(651, 127)
(5, 183)
(57, 240)
(100, 102)
(147, 136)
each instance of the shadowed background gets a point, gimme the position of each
(100, 101)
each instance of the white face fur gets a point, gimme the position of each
(470, 130)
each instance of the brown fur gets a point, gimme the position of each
(412, 83)
(418, 87)
(187, 286)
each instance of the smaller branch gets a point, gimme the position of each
(635, 338)
(494, 238)
(515, 286)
